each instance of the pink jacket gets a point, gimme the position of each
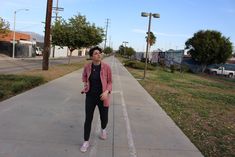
(105, 76)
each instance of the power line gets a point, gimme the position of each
(56, 10)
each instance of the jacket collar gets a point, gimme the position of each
(102, 65)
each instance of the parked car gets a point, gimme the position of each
(221, 71)
(38, 51)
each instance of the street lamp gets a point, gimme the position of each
(125, 42)
(14, 32)
(155, 15)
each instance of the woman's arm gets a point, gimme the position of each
(109, 80)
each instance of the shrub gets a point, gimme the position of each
(154, 64)
(1, 94)
(18, 86)
(25, 82)
(172, 67)
(185, 68)
(138, 65)
(35, 81)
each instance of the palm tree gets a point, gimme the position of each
(152, 39)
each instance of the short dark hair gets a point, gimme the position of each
(91, 51)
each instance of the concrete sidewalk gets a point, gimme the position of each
(47, 121)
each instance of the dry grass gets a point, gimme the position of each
(55, 71)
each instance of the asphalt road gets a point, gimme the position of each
(13, 66)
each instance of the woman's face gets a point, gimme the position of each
(97, 56)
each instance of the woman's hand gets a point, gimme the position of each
(104, 95)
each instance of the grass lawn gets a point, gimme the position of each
(11, 85)
(203, 107)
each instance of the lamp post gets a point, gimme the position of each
(125, 42)
(14, 32)
(155, 15)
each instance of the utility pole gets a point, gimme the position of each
(109, 41)
(106, 31)
(57, 9)
(47, 43)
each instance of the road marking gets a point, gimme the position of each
(131, 144)
(93, 148)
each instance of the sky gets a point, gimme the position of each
(179, 19)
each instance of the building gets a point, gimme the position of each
(18, 36)
(139, 55)
(23, 46)
(154, 56)
(65, 52)
(168, 57)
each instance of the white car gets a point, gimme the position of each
(222, 71)
(38, 51)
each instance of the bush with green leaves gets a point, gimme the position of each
(19, 86)
(12, 84)
(172, 67)
(138, 65)
(1, 94)
(24, 83)
(184, 68)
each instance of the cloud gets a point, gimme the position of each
(161, 34)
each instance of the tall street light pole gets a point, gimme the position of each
(14, 31)
(155, 15)
(47, 43)
(125, 42)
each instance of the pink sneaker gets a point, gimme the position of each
(103, 134)
(84, 146)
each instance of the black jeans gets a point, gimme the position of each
(91, 102)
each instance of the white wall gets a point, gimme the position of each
(64, 52)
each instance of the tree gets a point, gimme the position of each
(108, 50)
(152, 38)
(130, 51)
(121, 50)
(4, 27)
(76, 33)
(209, 47)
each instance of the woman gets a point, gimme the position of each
(97, 78)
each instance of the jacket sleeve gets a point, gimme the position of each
(109, 79)
(84, 75)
